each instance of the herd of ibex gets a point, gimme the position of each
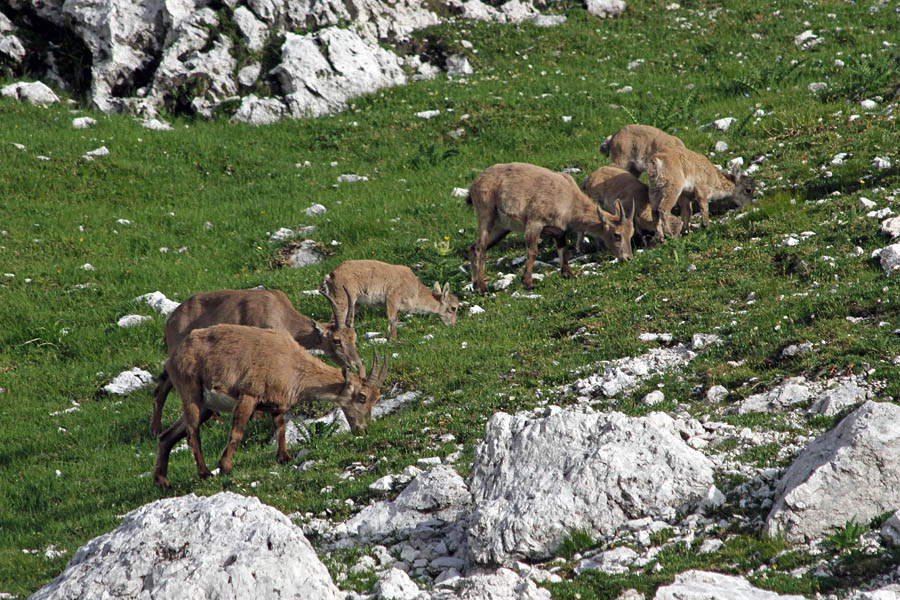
(242, 351)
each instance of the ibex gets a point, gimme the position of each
(631, 147)
(534, 200)
(673, 172)
(257, 308)
(372, 282)
(608, 185)
(240, 369)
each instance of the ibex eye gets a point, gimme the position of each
(337, 342)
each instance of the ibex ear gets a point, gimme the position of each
(318, 327)
(445, 293)
(437, 288)
(630, 215)
(736, 171)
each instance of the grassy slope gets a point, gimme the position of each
(66, 478)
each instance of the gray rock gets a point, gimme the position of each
(891, 227)
(716, 393)
(612, 562)
(248, 75)
(623, 375)
(185, 63)
(529, 490)
(396, 585)
(653, 398)
(790, 392)
(840, 394)
(305, 254)
(850, 472)
(35, 93)
(796, 349)
(502, 584)
(259, 111)
(605, 8)
(890, 531)
(703, 585)
(890, 259)
(699, 341)
(223, 546)
(13, 48)
(321, 71)
(253, 31)
(439, 493)
(128, 381)
(888, 592)
(458, 65)
(83, 122)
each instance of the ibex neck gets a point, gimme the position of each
(584, 216)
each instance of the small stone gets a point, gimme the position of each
(716, 393)
(721, 146)
(653, 398)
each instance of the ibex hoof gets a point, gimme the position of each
(283, 458)
(162, 482)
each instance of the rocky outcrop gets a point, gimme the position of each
(850, 472)
(319, 72)
(222, 546)
(181, 54)
(536, 479)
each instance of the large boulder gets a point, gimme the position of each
(704, 585)
(536, 479)
(321, 71)
(223, 546)
(850, 472)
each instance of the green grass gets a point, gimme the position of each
(67, 478)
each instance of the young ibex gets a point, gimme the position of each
(534, 200)
(372, 282)
(257, 308)
(673, 172)
(608, 185)
(631, 147)
(239, 369)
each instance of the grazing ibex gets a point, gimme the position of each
(372, 282)
(673, 172)
(631, 147)
(257, 308)
(608, 185)
(534, 200)
(239, 369)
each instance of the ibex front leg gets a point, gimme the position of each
(532, 241)
(242, 412)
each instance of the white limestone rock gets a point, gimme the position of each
(439, 493)
(890, 531)
(259, 111)
(128, 381)
(624, 374)
(458, 65)
(304, 254)
(253, 31)
(890, 259)
(705, 585)
(13, 48)
(502, 584)
(529, 489)
(158, 302)
(850, 472)
(612, 562)
(839, 394)
(248, 75)
(891, 227)
(321, 71)
(396, 585)
(605, 8)
(184, 62)
(224, 546)
(789, 393)
(35, 93)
